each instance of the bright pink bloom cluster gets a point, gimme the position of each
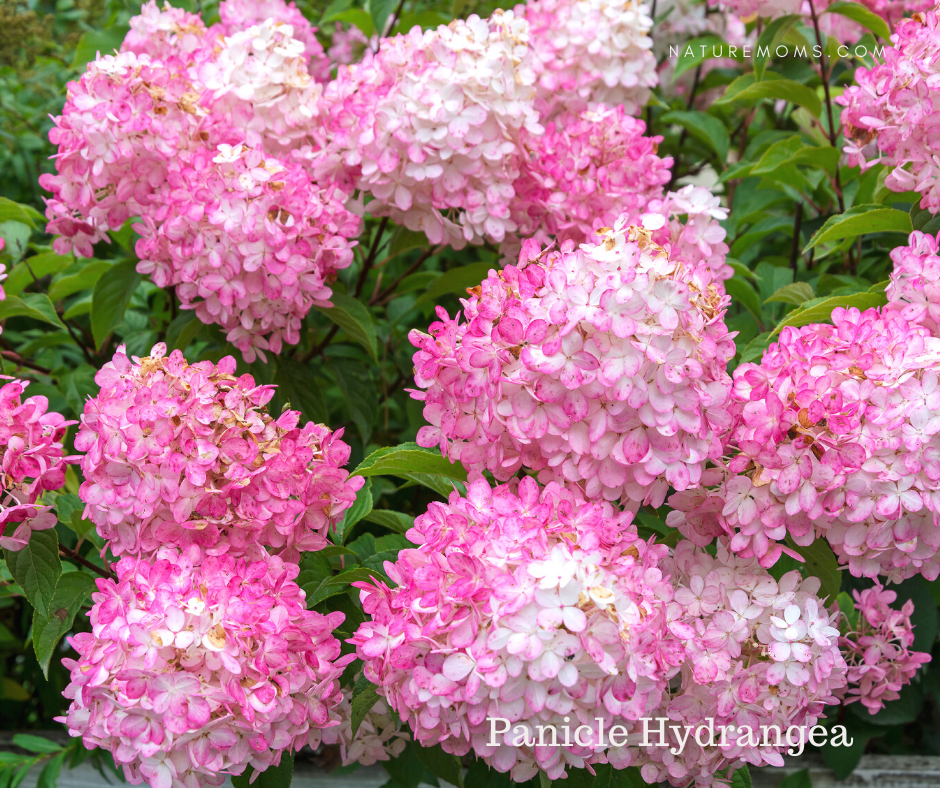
(757, 652)
(31, 463)
(878, 652)
(890, 113)
(238, 15)
(430, 127)
(189, 131)
(545, 609)
(380, 736)
(180, 454)
(589, 52)
(837, 435)
(603, 367)
(914, 289)
(250, 244)
(198, 666)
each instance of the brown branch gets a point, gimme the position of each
(25, 362)
(71, 555)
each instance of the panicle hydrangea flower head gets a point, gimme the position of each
(837, 434)
(430, 126)
(124, 122)
(602, 367)
(380, 736)
(533, 605)
(890, 113)
(542, 608)
(757, 652)
(583, 173)
(914, 289)
(179, 454)
(166, 33)
(250, 243)
(238, 15)
(198, 666)
(31, 462)
(879, 652)
(259, 81)
(591, 52)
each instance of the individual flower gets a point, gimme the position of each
(179, 454)
(249, 242)
(890, 112)
(539, 607)
(591, 52)
(914, 288)
(380, 736)
(601, 367)
(430, 127)
(836, 435)
(239, 15)
(31, 463)
(198, 666)
(879, 652)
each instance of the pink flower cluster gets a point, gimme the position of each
(837, 434)
(198, 666)
(878, 652)
(890, 113)
(31, 463)
(545, 609)
(189, 131)
(914, 289)
(238, 15)
(601, 367)
(757, 652)
(181, 455)
(380, 736)
(430, 127)
(589, 52)
(348, 45)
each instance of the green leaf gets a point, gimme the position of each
(797, 293)
(924, 220)
(354, 16)
(11, 690)
(359, 395)
(924, 617)
(780, 153)
(360, 508)
(457, 280)
(847, 608)
(704, 127)
(64, 286)
(741, 778)
(33, 305)
(544, 780)
(183, 330)
(37, 569)
(769, 39)
(94, 41)
(426, 20)
(699, 50)
(399, 522)
(442, 764)
(858, 13)
(279, 776)
(409, 458)
(111, 296)
(37, 744)
(860, 220)
(381, 11)
(742, 291)
(821, 312)
(364, 697)
(353, 318)
(404, 240)
(16, 235)
(49, 776)
(798, 779)
(902, 711)
(317, 589)
(71, 592)
(775, 89)
(15, 212)
(609, 777)
(299, 386)
(820, 562)
(32, 268)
